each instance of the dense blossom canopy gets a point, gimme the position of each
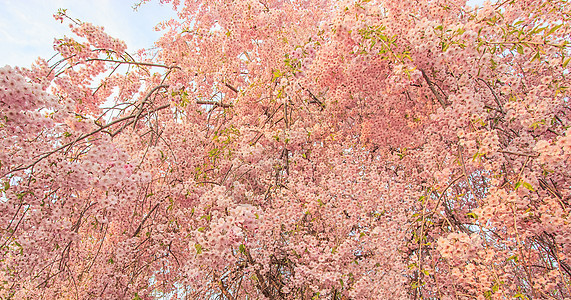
(308, 149)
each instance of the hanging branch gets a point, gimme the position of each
(443, 102)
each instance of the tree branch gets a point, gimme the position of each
(133, 63)
(443, 102)
(145, 219)
(80, 138)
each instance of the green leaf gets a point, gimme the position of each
(277, 74)
(517, 185)
(525, 185)
(494, 63)
(198, 248)
(242, 249)
(445, 47)
(552, 30)
(488, 295)
(566, 62)
(528, 186)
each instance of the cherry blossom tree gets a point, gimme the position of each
(309, 149)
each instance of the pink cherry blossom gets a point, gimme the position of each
(294, 150)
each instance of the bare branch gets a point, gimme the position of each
(439, 97)
(145, 219)
(224, 105)
(231, 87)
(493, 93)
(133, 63)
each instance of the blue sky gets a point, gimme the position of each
(27, 28)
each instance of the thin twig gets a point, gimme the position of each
(493, 93)
(145, 219)
(442, 101)
(133, 63)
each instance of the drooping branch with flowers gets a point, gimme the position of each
(294, 150)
